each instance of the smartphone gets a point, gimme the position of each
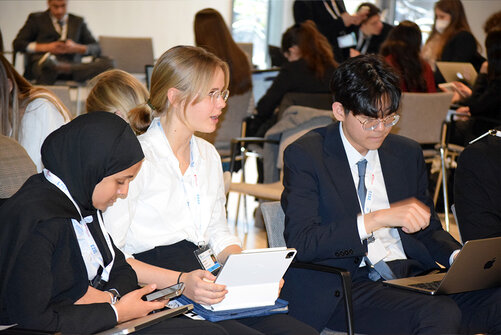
(166, 293)
(346, 41)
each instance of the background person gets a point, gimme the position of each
(28, 113)
(212, 34)
(402, 51)
(309, 68)
(331, 18)
(118, 92)
(371, 32)
(451, 39)
(54, 42)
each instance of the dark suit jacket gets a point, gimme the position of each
(321, 207)
(375, 42)
(462, 47)
(293, 77)
(477, 190)
(39, 28)
(330, 27)
(49, 275)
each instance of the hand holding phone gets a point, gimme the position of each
(166, 293)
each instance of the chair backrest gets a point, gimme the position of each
(274, 221)
(15, 166)
(63, 93)
(422, 115)
(453, 210)
(247, 48)
(130, 54)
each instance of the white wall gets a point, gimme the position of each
(168, 22)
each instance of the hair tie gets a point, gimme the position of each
(148, 102)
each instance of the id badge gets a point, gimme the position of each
(377, 251)
(207, 259)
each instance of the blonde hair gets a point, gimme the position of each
(117, 90)
(22, 93)
(188, 69)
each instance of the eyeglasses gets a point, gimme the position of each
(216, 94)
(372, 124)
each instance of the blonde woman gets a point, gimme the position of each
(118, 92)
(28, 113)
(176, 203)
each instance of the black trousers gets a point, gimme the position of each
(180, 257)
(379, 309)
(48, 74)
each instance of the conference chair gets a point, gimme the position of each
(15, 167)
(130, 54)
(423, 118)
(274, 220)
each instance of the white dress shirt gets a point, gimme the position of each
(40, 119)
(376, 199)
(164, 207)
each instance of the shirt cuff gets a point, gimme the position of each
(31, 47)
(361, 228)
(451, 258)
(115, 310)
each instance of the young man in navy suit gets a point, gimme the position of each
(356, 198)
(54, 42)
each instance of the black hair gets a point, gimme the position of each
(373, 10)
(366, 85)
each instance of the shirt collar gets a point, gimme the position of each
(353, 155)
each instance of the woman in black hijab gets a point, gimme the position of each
(59, 269)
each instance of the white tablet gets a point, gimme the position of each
(252, 277)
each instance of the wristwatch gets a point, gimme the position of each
(114, 296)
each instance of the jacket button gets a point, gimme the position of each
(337, 254)
(351, 252)
(356, 260)
(337, 293)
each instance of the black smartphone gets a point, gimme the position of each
(166, 293)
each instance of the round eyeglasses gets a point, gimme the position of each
(372, 124)
(216, 94)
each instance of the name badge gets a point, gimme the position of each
(376, 251)
(207, 259)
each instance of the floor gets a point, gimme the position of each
(255, 237)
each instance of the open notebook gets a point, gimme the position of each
(477, 266)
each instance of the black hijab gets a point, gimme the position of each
(81, 153)
(86, 150)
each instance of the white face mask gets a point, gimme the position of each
(440, 25)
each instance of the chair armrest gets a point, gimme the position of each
(345, 281)
(238, 142)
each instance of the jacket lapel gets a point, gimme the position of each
(339, 170)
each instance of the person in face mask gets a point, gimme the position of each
(451, 39)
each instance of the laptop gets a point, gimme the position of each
(477, 266)
(261, 82)
(146, 321)
(252, 278)
(457, 71)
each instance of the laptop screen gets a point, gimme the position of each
(261, 81)
(148, 69)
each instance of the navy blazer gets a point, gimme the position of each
(321, 206)
(39, 28)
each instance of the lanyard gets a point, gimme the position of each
(85, 239)
(193, 200)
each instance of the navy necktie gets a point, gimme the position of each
(362, 190)
(380, 269)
